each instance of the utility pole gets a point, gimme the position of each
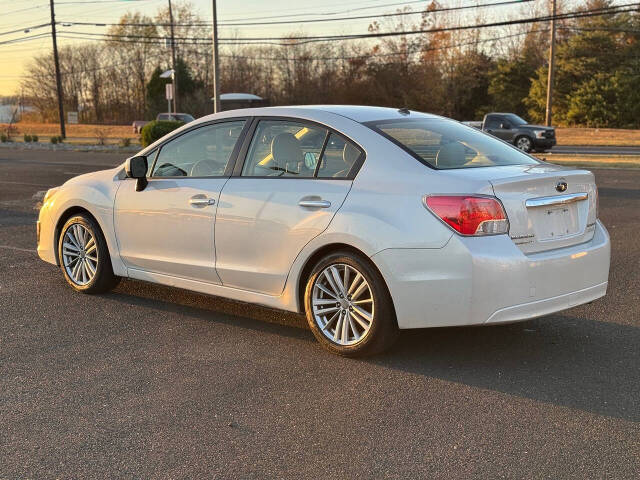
(173, 63)
(216, 65)
(56, 60)
(552, 47)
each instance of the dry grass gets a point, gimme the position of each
(597, 136)
(74, 131)
(593, 161)
(565, 136)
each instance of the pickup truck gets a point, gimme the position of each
(179, 117)
(515, 130)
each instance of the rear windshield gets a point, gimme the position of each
(445, 144)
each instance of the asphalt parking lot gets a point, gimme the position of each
(152, 382)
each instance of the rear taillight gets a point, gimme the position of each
(468, 214)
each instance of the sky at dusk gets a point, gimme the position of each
(18, 14)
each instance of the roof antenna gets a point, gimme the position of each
(404, 111)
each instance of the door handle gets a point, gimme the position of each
(315, 203)
(201, 201)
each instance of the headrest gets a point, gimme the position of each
(350, 154)
(285, 148)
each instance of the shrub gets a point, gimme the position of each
(125, 142)
(34, 138)
(157, 129)
(60, 139)
(3, 138)
(27, 138)
(54, 140)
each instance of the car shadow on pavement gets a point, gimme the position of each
(566, 361)
(210, 308)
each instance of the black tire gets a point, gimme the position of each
(524, 143)
(383, 330)
(104, 279)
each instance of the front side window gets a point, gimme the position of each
(203, 152)
(283, 148)
(446, 144)
(493, 122)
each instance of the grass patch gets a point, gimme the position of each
(593, 161)
(597, 136)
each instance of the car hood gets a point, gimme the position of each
(100, 176)
(536, 127)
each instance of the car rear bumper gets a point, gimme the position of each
(479, 280)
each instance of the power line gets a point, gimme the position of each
(317, 20)
(25, 29)
(370, 7)
(25, 39)
(310, 39)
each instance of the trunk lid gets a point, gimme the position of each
(548, 206)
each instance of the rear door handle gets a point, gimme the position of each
(315, 203)
(201, 201)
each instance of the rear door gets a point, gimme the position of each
(295, 177)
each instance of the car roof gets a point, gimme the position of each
(358, 113)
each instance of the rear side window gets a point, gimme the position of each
(339, 158)
(284, 148)
(445, 144)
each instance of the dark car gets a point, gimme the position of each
(176, 117)
(517, 131)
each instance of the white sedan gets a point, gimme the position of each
(367, 219)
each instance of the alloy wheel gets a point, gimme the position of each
(342, 304)
(524, 144)
(79, 254)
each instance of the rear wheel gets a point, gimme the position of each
(348, 306)
(84, 256)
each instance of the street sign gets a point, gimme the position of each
(168, 92)
(72, 117)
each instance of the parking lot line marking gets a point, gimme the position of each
(25, 183)
(11, 247)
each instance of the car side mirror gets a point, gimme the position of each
(505, 126)
(136, 167)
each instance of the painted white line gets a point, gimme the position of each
(11, 247)
(25, 183)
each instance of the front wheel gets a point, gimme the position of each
(524, 143)
(348, 306)
(84, 256)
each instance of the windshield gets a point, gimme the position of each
(445, 144)
(515, 119)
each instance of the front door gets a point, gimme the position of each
(168, 228)
(294, 179)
